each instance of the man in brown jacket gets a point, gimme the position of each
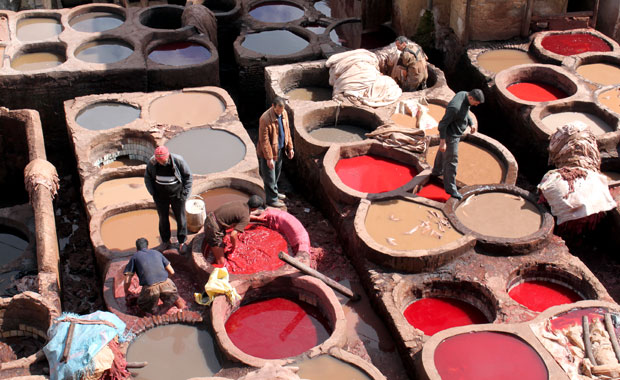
(274, 139)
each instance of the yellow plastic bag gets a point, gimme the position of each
(217, 284)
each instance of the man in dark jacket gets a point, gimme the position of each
(169, 180)
(451, 127)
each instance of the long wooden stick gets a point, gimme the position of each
(307, 270)
(609, 326)
(137, 364)
(65, 352)
(585, 324)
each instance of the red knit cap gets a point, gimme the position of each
(162, 152)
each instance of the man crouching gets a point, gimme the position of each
(152, 269)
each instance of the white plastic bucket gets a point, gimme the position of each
(195, 212)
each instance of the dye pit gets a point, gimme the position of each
(105, 52)
(434, 314)
(263, 42)
(106, 115)
(180, 54)
(501, 59)
(374, 174)
(577, 43)
(536, 91)
(38, 28)
(95, 22)
(477, 165)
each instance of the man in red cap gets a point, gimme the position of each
(169, 180)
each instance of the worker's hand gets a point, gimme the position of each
(442, 145)
(271, 164)
(234, 239)
(473, 129)
(290, 154)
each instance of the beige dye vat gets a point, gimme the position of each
(611, 99)
(502, 59)
(404, 120)
(120, 190)
(328, 367)
(174, 352)
(342, 133)
(602, 73)
(436, 111)
(314, 94)
(119, 232)
(555, 120)
(214, 198)
(122, 161)
(403, 225)
(36, 61)
(477, 165)
(38, 28)
(186, 109)
(501, 215)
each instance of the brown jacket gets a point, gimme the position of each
(268, 135)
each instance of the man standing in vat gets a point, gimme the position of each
(169, 180)
(152, 269)
(451, 127)
(274, 139)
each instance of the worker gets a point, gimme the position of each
(169, 180)
(287, 225)
(153, 270)
(274, 139)
(235, 215)
(454, 123)
(405, 62)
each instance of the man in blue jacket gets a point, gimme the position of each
(451, 127)
(169, 180)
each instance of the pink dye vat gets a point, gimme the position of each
(571, 44)
(434, 314)
(541, 295)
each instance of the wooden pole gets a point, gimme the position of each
(527, 19)
(585, 324)
(609, 326)
(595, 15)
(307, 270)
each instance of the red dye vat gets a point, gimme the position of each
(536, 91)
(435, 191)
(541, 295)
(435, 314)
(570, 44)
(488, 356)
(257, 251)
(372, 174)
(574, 317)
(276, 328)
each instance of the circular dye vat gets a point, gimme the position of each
(36, 61)
(402, 225)
(103, 52)
(575, 317)
(186, 108)
(315, 94)
(404, 120)
(434, 314)
(215, 198)
(162, 17)
(12, 244)
(180, 54)
(502, 59)
(500, 215)
(38, 28)
(486, 355)
(477, 165)
(602, 73)
(540, 295)
(274, 42)
(208, 150)
(120, 190)
(328, 367)
(94, 22)
(536, 91)
(276, 11)
(323, 7)
(343, 133)
(571, 44)
(276, 328)
(106, 115)
(556, 120)
(174, 352)
(119, 232)
(434, 190)
(257, 251)
(373, 174)
(122, 161)
(611, 99)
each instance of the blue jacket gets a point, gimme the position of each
(456, 119)
(181, 172)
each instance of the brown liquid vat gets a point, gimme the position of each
(546, 56)
(282, 79)
(406, 259)
(36, 57)
(304, 288)
(504, 164)
(307, 120)
(340, 192)
(597, 70)
(352, 360)
(498, 245)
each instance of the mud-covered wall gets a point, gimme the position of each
(496, 19)
(609, 19)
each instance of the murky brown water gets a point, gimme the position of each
(343, 133)
(315, 94)
(403, 225)
(214, 198)
(501, 59)
(611, 99)
(36, 61)
(186, 108)
(120, 190)
(328, 367)
(119, 232)
(436, 112)
(404, 120)
(500, 215)
(38, 28)
(596, 125)
(174, 352)
(601, 73)
(477, 166)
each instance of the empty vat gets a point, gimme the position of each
(106, 115)
(162, 17)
